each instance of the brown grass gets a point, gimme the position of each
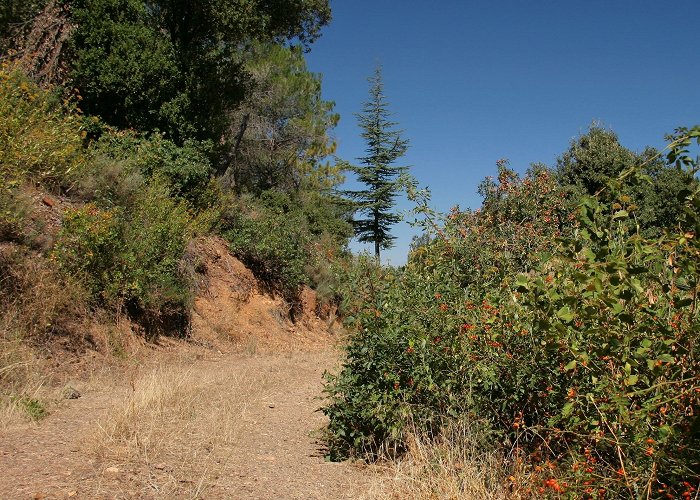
(37, 301)
(452, 466)
(19, 381)
(36, 305)
(175, 430)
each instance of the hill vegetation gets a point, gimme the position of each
(558, 322)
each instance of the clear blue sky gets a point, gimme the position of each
(472, 81)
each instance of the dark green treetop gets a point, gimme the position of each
(596, 157)
(384, 145)
(177, 65)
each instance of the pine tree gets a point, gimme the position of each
(377, 170)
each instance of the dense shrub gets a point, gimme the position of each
(408, 352)
(123, 160)
(40, 134)
(131, 257)
(595, 158)
(40, 140)
(286, 239)
(573, 343)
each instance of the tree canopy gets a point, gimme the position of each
(176, 65)
(281, 130)
(595, 158)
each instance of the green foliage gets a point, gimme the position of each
(34, 408)
(40, 135)
(88, 246)
(573, 342)
(156, 234)
(123, 161)
(282, 127)
(407, 358)
(175, 66)
(519, 219)
(40, 139)
(592, 159)
(131, 257)
(597, 157)
(280, 236)
(384, 147)
(125, 68)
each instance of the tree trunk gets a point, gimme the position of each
(228, 180)
(376, 237)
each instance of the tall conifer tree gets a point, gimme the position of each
(384, 145)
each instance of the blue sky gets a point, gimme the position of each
(473, 81)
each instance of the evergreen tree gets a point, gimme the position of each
(377, 170)
(282, 129)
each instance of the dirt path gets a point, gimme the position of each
(222, 426)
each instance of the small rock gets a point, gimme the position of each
(271, 405)
(48, 201)
(159, 466)
(111, 471)
(70, 392)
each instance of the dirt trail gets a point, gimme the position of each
(266, 403)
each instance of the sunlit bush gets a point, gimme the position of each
(40, 134)
(571, 340)
(130, 258)
(40, 140)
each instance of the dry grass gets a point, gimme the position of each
(36, 304)
(174, 430)
(452, 466)
(21, 385)
(37, 301)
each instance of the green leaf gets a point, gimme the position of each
(570, 365)
(617, 308)
(567, 409)
(523, 281)
(565, 314)
(631, 380)
(682, 303)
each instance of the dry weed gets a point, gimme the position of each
(35, 304)
(37, 301)
(452, 466)
(177, 429)
(21, 385)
